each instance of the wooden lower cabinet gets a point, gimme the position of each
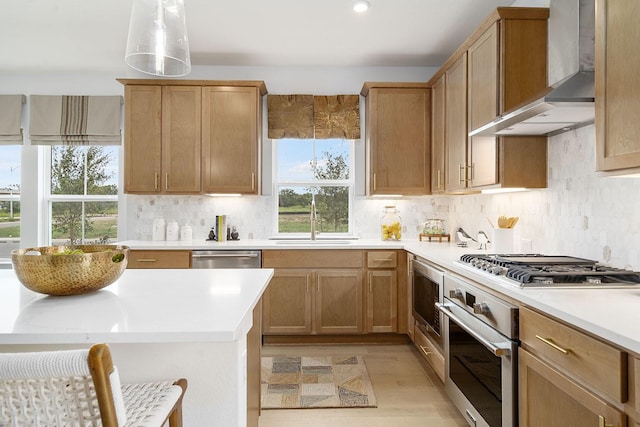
(326, 301)
(159, 259)
(338, 302)
(286, 303)
(547, 398)
(382, 304)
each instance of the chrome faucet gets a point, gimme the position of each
(314, 217)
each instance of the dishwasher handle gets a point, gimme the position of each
(230, 255)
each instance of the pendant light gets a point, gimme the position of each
(157, 43)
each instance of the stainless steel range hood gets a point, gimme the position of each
(566, 105)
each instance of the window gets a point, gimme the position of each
(83, 194)
(320, 169)
(9, 199)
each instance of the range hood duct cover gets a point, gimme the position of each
(567, 105)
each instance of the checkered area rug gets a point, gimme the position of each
(316, 382)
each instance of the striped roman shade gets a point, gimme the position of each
(75, 120)
(11, 119)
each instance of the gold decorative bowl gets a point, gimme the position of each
(69, 270)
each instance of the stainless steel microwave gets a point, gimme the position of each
(428, 289)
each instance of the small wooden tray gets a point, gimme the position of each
(436, 236)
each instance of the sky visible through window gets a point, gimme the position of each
(9, 166)
(294, 156)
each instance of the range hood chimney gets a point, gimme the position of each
(568, 103)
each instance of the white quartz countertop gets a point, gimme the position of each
(257, 244)
(611, 314)
(142, 306)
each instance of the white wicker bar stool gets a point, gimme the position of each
(81, 388)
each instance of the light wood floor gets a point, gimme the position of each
(409, 395)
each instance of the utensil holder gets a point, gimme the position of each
(502, 240)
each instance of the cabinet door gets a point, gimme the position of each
(338, 302)
(548, 398)
(438, 135)
(142, 138)
(456, 125)
(286, 304)
(483, 78)
(617, 85)
(231, 138)
(483, 154)
(382, 304)
(399, 133)
(181, 139)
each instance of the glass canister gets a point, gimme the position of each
(433, 226)
(391, 224)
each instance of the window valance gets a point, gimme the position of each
(309, 116)
(11, 119)
(75, 120)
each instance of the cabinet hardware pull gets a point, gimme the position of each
(155, 181)
(471, 169)
(374, 182)
(550, 343)
(461, 171)
(253, 181)
(602, 423)
(147, 260)
(166, 181)
(424, 350)
(382, 260)
(370, 288)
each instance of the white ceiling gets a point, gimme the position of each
(90, 35)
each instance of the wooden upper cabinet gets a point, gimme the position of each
(231, 139)
(507, 62)
(398, 132)
(438, 170)
(181, 139)
(456, 126)
(192, 136)
(483, 78)
(617, 86)
(142, 139)
(162, 139)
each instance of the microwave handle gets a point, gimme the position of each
(499, 349)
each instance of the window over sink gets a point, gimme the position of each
(319, 169)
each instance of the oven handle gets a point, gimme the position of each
(498, 349)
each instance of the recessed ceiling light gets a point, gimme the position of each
(361, 5)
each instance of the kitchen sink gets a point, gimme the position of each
(310, 242)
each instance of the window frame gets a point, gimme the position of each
(278, 184)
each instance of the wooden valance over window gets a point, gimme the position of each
(290, 116)
(75, 120)
(308, 116)
(11, 119)
(337, 116)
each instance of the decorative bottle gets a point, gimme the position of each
(391, 224)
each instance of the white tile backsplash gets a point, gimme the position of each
(579, 214)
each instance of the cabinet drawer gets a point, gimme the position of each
(636, 384)
(429, 351)
(159, 259)
(382, 259)
(587, 359)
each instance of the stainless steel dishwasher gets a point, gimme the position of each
(226, 259)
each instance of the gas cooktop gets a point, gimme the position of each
(536, 270)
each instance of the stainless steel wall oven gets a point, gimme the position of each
(481, 350)
(428, 288)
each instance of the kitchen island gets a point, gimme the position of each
(158, 324)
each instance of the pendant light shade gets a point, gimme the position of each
(157, 43)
